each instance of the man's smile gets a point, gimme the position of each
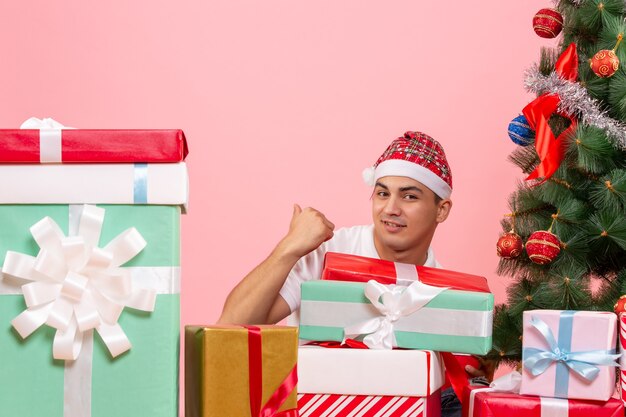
(392, 225)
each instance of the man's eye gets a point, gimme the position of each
(410, 197)
(382, 194)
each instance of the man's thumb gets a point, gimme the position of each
(296, 210)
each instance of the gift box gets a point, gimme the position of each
(345, 267)
(622, 360)
(417, 317)
(414, 373)
(483, 402)
(28, 146)
(240, 371)
(94, 183)
(325, 405)
(569, 354)
(109, 376)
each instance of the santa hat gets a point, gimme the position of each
(417, 156)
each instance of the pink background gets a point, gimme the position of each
(283, 102)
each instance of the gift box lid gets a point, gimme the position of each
(25, 146)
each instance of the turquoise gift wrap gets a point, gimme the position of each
(142, 381)
(454, 321)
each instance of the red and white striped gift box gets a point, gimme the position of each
(335, 405)
(622, 359)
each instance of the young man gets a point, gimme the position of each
(412, 187)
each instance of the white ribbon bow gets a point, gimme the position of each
(45, 123)
(77, 286)
(50, 138)
(393, 302)
(510, 382)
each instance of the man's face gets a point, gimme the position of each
(405, 214)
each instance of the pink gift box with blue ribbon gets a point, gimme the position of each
(569, 354)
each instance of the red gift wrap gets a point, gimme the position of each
(343, 267)
(325, 405)
(23, 146)
(494, 404)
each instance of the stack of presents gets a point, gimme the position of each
(90, 244)
(376, 339)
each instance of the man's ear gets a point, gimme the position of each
(443, 210)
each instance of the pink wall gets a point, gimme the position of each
(283, 102)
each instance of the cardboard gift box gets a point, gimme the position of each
(483, 402)
(240, 371)
(397, 316)
(94, 184)
(131, 369)
(29, 146)
(569, 354)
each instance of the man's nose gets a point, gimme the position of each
(392, 206)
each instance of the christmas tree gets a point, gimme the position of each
(564, 241)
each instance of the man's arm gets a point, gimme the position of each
(255, 300)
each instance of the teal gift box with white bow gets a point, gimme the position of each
(89, 310)
(569, 354)
(417, 316)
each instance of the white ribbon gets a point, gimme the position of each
(510, 383)
(50, 141)
(392, 302)
(75, 286)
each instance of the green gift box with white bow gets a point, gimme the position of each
(419, 316)
(71, 272)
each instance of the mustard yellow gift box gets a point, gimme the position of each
(217, 368)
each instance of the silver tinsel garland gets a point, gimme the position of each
(576, 102)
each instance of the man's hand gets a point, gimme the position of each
(308, 229)
(486, 369)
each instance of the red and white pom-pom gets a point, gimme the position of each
(369, 176)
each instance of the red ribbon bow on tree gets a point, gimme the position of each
(551, 150)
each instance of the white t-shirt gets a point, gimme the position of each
(356, 240)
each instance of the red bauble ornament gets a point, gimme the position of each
(604, 63)
(509, 245)
(542, 247)
(620, 306)
(548, 23)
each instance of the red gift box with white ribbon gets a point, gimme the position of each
(344, 267)
(502, 398)
(47, 141)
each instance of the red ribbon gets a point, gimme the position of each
(456, 374)
(348, 344)
(255, 369)
(551, 150)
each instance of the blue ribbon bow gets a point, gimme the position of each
(583, 363)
